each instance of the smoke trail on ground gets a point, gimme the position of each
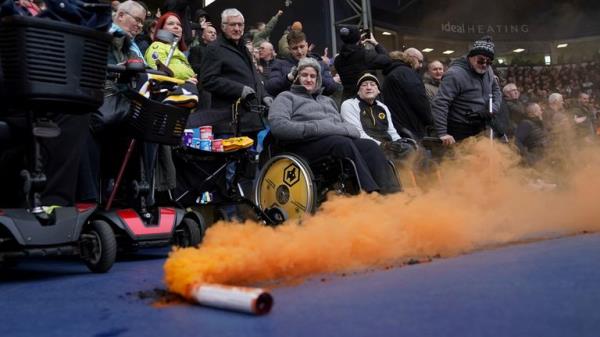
(484, 199)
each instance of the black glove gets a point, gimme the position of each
(399, 149)
(410, 142)
(248, 93)
(481, 116)
(486, 115)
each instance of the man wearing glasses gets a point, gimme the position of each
(461, 107)
(128, 22)
(228, 73)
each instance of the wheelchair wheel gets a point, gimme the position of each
(286, 182)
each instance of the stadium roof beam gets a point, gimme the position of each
(362, 17)
(406, 5)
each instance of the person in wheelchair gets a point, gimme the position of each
(373, 119)
(307, 123)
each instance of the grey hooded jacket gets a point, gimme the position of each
(463, 91)
(299, 115)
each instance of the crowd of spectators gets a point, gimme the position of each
(227, 59)
(538, 82)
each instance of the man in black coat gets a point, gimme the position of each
(228, 73)
(531, 135)
(209, 35)
(404, 94)
(358, 56)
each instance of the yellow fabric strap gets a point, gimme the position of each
(162, 78)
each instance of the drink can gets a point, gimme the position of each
(217, 145)
(205, 145)
(188, 135)
(206, 132)
(195, 143)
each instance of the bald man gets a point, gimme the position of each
(433, 77)
(416, 55)
(266, 57)
(515, 109)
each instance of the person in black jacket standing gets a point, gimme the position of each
(209, 35)
(228, 73)
(404, 94)
(531, 135)
(355, 59)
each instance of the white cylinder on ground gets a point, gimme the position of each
(250, 300)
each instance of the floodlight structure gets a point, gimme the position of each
(361, 18)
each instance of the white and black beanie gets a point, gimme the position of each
(483, 46)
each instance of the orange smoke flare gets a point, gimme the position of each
(485, 199)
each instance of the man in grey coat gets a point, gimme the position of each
(308, 123)
(462, 105)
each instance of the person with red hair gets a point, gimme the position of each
(160, 48)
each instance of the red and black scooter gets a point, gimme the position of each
(128, 205)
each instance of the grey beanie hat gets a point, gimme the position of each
(310, 62)
(483, 46)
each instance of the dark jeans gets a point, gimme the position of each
(374, 171)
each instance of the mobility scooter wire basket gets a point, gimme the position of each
(155, 122)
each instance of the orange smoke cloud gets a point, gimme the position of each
(484, 199)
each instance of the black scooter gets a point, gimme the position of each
(65, 72)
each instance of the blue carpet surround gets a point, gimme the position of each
(547, 288)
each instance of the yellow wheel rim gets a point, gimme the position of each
(286, 182)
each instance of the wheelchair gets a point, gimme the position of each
(62, 80)
(289, 182)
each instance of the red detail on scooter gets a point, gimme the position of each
(166, 222)
(82, 207)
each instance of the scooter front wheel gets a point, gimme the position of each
(98, 246)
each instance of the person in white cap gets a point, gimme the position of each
(373, 119)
